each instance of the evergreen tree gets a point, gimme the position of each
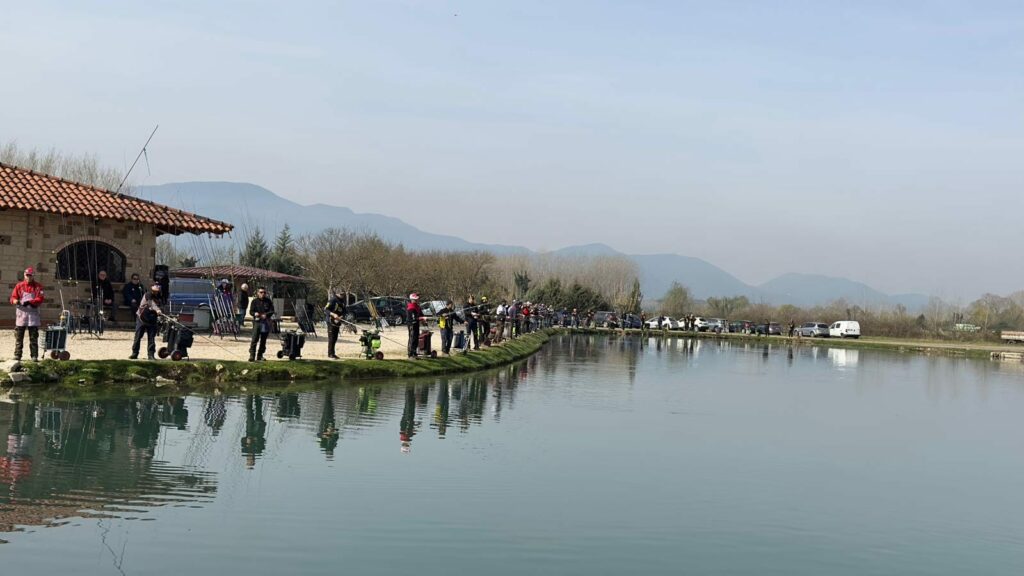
(256, 252)
(283, 257)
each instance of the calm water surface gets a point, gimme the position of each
(597, 456)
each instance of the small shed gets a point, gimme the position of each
(293, 290)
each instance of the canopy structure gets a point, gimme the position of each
(237, 273)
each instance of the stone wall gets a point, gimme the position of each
(34, 238)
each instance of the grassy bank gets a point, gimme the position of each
(980, 350)
(86, 378)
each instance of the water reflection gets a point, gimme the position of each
(108, 457)
(91, 459)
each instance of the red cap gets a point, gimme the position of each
(30, 271)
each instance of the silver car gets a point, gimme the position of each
(813, 330)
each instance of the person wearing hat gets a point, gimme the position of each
(485, 321)
(335, 310)
(27, 297)
(148, 314)
(413, 316)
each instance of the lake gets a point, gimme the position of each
(599, 455)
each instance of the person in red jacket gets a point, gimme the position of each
(413, 317)
(27, 297)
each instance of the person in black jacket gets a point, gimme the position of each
(262, 310)
(132, 293)
(103, 294)
(446, 320)
(335, 310)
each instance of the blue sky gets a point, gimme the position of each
(880, 141)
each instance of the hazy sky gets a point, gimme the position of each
(881, 141)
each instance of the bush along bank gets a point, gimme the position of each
(91, 377)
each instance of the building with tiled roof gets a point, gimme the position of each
(70, 231)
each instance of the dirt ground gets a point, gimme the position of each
(117, 344)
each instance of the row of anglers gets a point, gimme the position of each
(484, 324)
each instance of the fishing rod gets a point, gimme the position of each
(175, 321)
(141, 153)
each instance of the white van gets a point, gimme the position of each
(844, 329)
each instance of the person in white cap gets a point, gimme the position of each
(27, 297)
(148, 313)
(413, 316)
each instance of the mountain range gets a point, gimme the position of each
(248, 206)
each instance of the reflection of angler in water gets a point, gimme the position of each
(327, 431)
(17, 464)
(288, 406)
(441, 409)
(144, 428)
(214, 413)
(255, 440)
(407, 427)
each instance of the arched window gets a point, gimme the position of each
(83, 260)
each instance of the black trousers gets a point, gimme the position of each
(332, 336)
(447, 335)
(33, 341)
(414, 337)
(472, 332)
(150, 331)
(259, 338)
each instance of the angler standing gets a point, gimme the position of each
(413, 316)
(27, 297)
(335, 316)
(262, 309)
(446, 319)
(148, 313)
(472, 314)
(485, 320)
(243, 304)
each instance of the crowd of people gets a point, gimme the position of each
(479, 323)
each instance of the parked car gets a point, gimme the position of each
(844, 329)
(741, 327)
(717, 325)
(391, 308)
(701, 324)
(662, 323)
(605, 319)
(772, 329)
(813, 330)
(632, 321)
(189, 293)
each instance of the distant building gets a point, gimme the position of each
(69, 232)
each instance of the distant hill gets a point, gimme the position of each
(811, 289)
(658, 271)
(248, 206)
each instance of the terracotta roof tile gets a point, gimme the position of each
(233, 271)
(27, 190)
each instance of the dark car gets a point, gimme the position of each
(605, 319)
(813, 330)
(773, 329)
(390, 308)
(632, 321)
(741, 327)
(190, 293)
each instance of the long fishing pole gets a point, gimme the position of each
(141, 152)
